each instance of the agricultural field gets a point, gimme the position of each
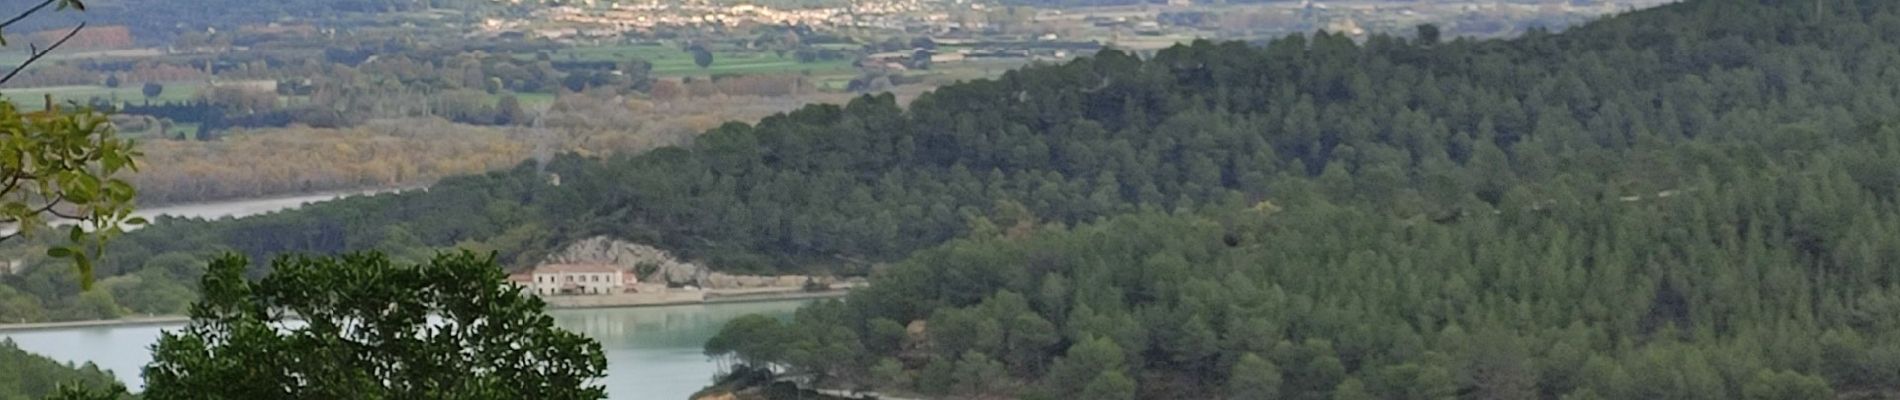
(671, 61)
(34, 98)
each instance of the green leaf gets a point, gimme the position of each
(136, 221)
(75, 234)
(85, 270)
(118, 190)
(112, 164)
(79, 194)
(59, 252)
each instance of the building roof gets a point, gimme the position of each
(575, 268)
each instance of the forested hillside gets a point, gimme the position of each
(1633, 105)
(1694, 201)
(29, 376)
(1630, 106)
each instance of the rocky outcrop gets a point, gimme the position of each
(722, 395)
(652, 263)
(723, 281)
(659, 266)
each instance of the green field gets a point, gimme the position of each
(33, 98)
(532, 100)
(671, 61)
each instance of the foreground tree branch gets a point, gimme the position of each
(22, 16)
(35, 53)
(62, 164)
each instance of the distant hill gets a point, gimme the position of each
(155, 22)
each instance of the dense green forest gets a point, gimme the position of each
(30, 376)
(1638, 105)
(1693, 201)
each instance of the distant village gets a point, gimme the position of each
(984, 30)
(973, 19)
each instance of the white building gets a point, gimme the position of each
(566, 279)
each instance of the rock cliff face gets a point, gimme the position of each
(653, 265)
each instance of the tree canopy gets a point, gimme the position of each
(29, 376)
(359, 326)
(62, 165)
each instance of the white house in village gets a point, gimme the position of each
(566, 279)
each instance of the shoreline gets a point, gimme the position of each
(95, 323)
(330, 194)
(710, 298)
(686, 298)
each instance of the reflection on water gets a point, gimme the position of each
(119, 350)
(652, 353)
(670, 326)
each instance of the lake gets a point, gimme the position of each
(652, 352)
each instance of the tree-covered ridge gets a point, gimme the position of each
(1421, 125)
(1710, 294)
(25, 375)
(1691, 202)
(1631, 105)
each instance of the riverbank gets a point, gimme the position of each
(307, 196)
(244, 207)
(134, 321)
(630, 300)
(688, 297)
(239, 208)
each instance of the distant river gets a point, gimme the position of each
(233, 208)
(652, 352)
(248, 207)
